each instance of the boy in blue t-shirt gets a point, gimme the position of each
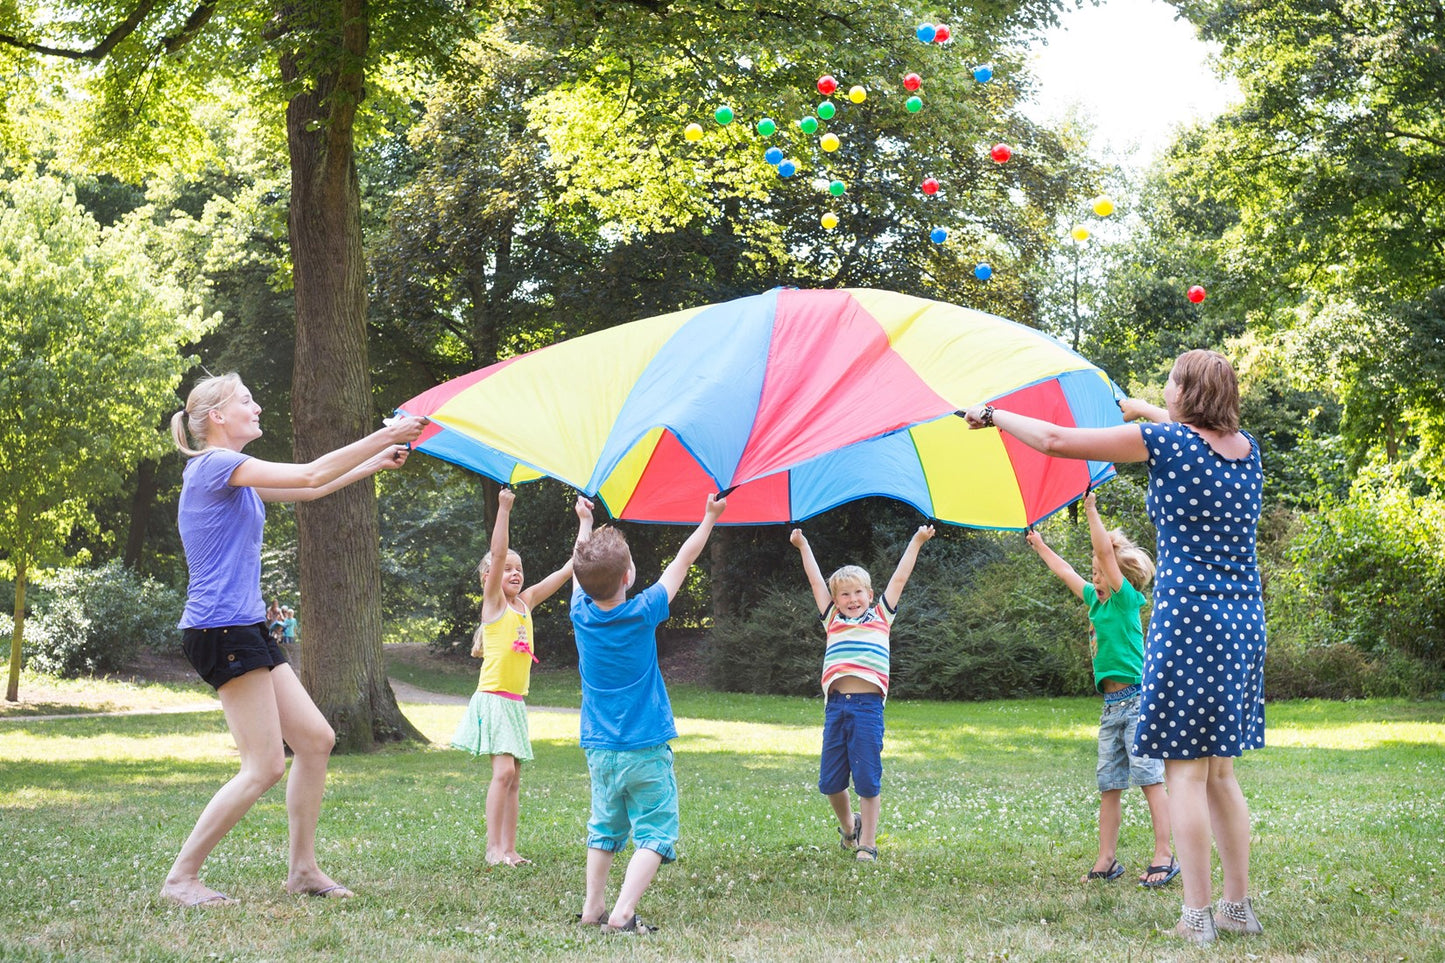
(626, 715)
(1114, 601)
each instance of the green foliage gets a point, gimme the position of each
(92, 621)
(1366, 571)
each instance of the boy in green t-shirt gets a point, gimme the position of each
(1114, 602)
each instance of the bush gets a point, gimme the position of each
(96, 620)
(1341, 671)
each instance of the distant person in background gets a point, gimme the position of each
(288, 625)
(221, 516)
(1203, 699)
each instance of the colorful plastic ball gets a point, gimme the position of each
(830, 142)
(723, 115)
(941, 34)
(826, 110)
(837, 188)
(1196, 293)
(929, 186)
(1103, 206)
(1001, 153)
(767, 127)
(983, 73)
(913, 104)
(982, 271)
(912, 81)
(829, 220)
(774, 156)
(787, 169)
(809, 124)
(857, 93)
(827, 84)
(1080, 233)
(938, 235)
(926, 32)
(692, 132)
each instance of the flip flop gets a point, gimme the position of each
(219, 899)
(632, 926)
(334, 891)
(1170, 871)
(1115, 870)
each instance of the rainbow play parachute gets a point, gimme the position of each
(797, 400)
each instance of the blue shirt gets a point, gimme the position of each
(221, 529)
(624, 701)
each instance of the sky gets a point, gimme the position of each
(1133, 70)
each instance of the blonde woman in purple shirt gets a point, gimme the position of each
(221, 516)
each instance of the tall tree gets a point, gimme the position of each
(89, 362)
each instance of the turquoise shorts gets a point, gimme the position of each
(634, 793)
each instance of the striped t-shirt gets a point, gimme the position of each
(857, 646)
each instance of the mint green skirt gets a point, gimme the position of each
(494, 726)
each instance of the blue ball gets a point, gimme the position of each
(983, 272)
(774, 156)
(787, 169)
(926, 32)
(938, 235)
(983, 73)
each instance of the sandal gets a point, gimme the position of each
(845, 838)
(1170, 871)
(634, 925)
(1115, 870)
(867, 854)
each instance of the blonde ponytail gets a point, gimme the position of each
(206, 395)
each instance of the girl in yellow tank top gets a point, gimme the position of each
(495, 723)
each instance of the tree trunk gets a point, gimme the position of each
(17, 637)
(141, 503)
(337, 537)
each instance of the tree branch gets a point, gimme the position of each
(120, 32)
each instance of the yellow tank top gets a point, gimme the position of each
(507, 652)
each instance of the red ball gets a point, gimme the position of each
(941, 34)
(929, 186)
(1001, 153)
(827, 84)
(912, 82)
(1196, 293)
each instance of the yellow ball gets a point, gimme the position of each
(830, 142)
(1103, 206)
(692, 132)
(857, 94)
(829, 220)
(1080, 233)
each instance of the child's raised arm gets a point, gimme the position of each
(816, 582)
(905, 566)
(1057, 565)
(583, 508)
(1103, 546)
(676, 572)
(493, 601)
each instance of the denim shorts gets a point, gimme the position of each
(1118, 767)
(852, 744)
(228, 652)
(634, 793)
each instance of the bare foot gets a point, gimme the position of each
(192, 892)
(318, 885)
(514, 859)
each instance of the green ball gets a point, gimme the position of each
(766, 127)
(723, 115)
(809, 124)
(837, 188)
(826, 110)
(913, 104)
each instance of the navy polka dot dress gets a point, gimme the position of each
(1204, 652)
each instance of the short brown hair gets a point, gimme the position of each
(1206, 390)
(601, 561)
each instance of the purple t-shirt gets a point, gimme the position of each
(221, 530)
(624, 701)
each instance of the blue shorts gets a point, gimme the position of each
(634, 793)
(1118, 767)
(852, 744)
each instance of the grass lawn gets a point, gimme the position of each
(989, 818)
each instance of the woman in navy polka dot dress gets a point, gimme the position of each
(1203, 700)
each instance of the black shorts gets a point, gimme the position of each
(226, 653)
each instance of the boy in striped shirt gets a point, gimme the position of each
(855, 682)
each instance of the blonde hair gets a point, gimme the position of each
(1206, 390)
(600, 562)
(849, 573)
(208, 394)
(1134, 563)
(486, 563)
